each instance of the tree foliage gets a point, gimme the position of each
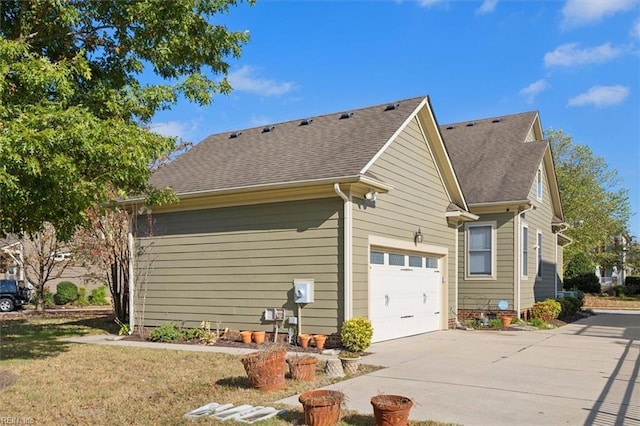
(595, 206)
(73, 106)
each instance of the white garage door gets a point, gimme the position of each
(404, 294)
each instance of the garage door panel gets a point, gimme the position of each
(403, 300)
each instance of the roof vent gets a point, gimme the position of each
(268, 129)
(306, 121)
(497, 120)
(392, 106)
(346, 115)
(234, 135)
(471, 124)
(451, 127)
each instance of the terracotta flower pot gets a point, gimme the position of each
(304, 340)
(245, 336)
(302, 367)
(319, 340)
(265, 369)
(258, 337)
(321, 407)
(506, 321)
(391, 410)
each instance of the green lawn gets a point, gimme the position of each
(46, 381)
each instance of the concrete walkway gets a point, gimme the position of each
(585, 373)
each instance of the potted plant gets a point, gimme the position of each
(321, 407)
(391, 410)
(356, 335)
(266, 368)
(506, 321)
(258, 337)
(302, 367)
(246, 336)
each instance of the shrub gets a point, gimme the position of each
(82, 297)
(168, 332)
(66, 292)
(99, 296)
(495, 323)
(546, 310)
(539, 323)
(587, 283)
(569, 306)
(633, 285)
(356, 334)
(47, 296)
(619, 290)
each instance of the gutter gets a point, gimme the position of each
(347, 250)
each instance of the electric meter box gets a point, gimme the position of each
(303, 290)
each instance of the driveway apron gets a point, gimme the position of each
(585, 373)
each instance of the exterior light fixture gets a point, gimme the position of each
(418, 237)
(371, 195)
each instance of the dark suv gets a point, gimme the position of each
(12, 295)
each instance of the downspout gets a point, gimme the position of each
(131, 280)
(519, 255)
(346, 250)
(456, 234)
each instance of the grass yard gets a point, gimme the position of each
(46, 381)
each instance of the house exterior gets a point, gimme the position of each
(364, 210)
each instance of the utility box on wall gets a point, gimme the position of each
(303, 290)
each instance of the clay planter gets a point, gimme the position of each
(319, 340)
(349, 364)
(391, 410)
(245, 336)
(304, 340)
(321, 407)
(258, 337)
(302, 367)
(265, 369)
(506, 321)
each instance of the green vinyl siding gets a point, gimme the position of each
(537, 288)
(485, 293)
(229, 264)
(418, 200)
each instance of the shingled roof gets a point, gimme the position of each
(329, 147)
(491, 159)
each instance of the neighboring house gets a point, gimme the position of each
(373, 207)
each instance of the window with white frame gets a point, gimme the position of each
(539, 184)
(525, 250)
(480, 250)
(539, 253)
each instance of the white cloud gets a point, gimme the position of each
(532, 90)
(635, 30)
(601, 96)
(243, 79)
(576, 13)
(429, 3)
(178, 129)
(487, 6)
(569, 54)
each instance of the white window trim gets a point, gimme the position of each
(494, 239)
(539, 260)
(524, 244)
(539, 184)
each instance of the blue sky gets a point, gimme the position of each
(577, 62)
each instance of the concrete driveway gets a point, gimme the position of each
(585, 373)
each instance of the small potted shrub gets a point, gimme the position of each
(302, 367)
(356, 335)
(321, 407)
(266, 368)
